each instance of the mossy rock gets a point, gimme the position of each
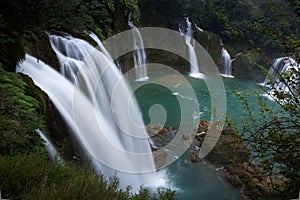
(211, 43)
(248, 64)
(22, 109)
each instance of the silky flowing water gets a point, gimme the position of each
(86, 100)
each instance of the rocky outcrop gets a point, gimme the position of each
(230, 157)
(233, 158)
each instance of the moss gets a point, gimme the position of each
(21, 113)
(246, 65)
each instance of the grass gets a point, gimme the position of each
(32, 177)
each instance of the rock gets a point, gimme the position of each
(251, 170)
(185, 137)
(197, 143)
(194, 156)
(203, 126)
(160, 158)
(155, 129)
(255, 183)
(245, 165)
(227, 131)
(234, 180)
(259, 170)
(159, 135)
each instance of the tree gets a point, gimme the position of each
(274, 137)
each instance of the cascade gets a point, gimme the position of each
(190, 42)
(103, 49)
(53, 154)
(281, 65)
(90, 95)
(226, 63)
(139, 56)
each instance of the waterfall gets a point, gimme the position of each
(139, 56)
(226, 63)
(198, 28)
(281, 65)
(90, 94)
(53, 154)
(103, 49)
(190, 42)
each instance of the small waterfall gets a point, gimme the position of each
(281, 65)
(226, 63)
(91, 100)
(53, 154)
(190, 42)
(198, 28)
(139, 56)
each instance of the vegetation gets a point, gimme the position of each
(274, 137)
(25, 171)
(259, 29)
(250, 29)
(75, 16)
(249, 26)
(36, 178)
(21, 113)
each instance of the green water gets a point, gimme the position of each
(150, 94)
(190, 180)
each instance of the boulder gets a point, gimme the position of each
(194, 156)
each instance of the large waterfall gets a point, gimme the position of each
(226, 63)
(190, 42)
(279, 66)
(140, 58)
(90, 95)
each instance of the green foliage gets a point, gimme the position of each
(33, 177)
(11, 50)
(21, 113)
(73, 16)
(274, 137)
(295, 4)
(131, 6)
(278, 29)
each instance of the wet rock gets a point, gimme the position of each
(194, 156)
(235, 180)
(154, 130)
(157, 134)
(160, 158)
